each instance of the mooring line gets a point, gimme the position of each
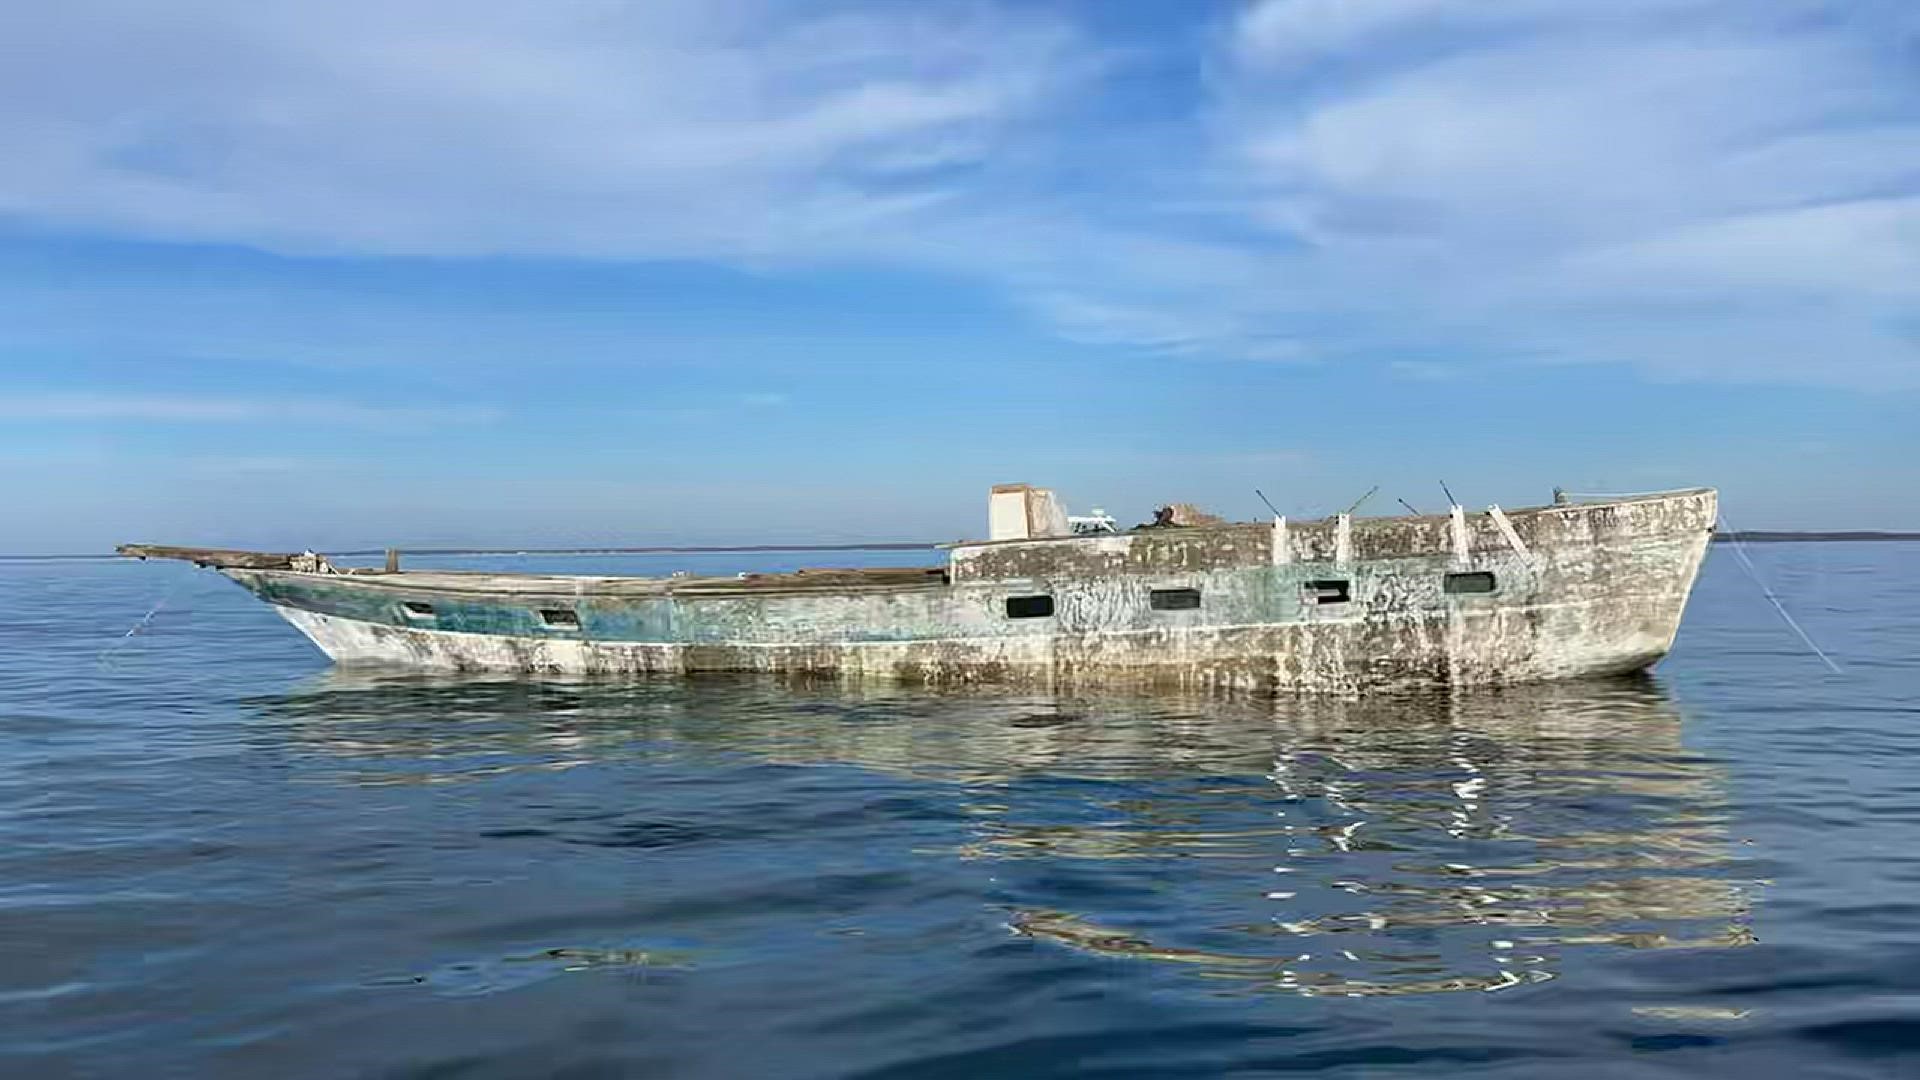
(108, 652)
(1740, 550)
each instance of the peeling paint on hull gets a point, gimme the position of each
(1591, 589)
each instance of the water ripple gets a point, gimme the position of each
(219, 858)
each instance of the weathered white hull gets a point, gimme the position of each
(1340, 605)
(1318, 657)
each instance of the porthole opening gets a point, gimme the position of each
(1174, 599)
(1327, 592)
(1029, 607)
(415, 609)
(1476, 581)
(559, 619)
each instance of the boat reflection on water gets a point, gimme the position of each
(1357, 847)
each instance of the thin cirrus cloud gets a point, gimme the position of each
(1703, 189)
(676, 129)
(170, 409)
(1722, 190)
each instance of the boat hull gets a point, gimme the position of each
(1507, 648)
(1585, 590)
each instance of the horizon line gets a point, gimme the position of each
(1745, 536)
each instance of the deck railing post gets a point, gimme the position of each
(1513, 537)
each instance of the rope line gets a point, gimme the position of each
(144, 620)
(1740, 550)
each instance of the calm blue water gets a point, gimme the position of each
(219, 858)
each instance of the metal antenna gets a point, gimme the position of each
(1451, 501)
(1270, 506)
(1363, 498)
(1409, 507)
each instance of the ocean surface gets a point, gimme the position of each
(218, 857)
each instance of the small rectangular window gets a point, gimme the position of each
(1174, 599)
(559, 619)
(1478, 581)
(414, 609)
(1029, 607)
(1327, 592)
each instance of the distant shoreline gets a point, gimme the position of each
(1755, 536)
(1763, 536)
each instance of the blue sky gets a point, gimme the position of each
(585, 271)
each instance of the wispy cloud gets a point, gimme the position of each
(713, 408)
(1665, 183)
(220, 410)
(676, 128)
(1426, 370)
(1712, 189)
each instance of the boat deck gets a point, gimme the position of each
(490, 583)
(830, 579)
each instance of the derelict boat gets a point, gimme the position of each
(1342, 604)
